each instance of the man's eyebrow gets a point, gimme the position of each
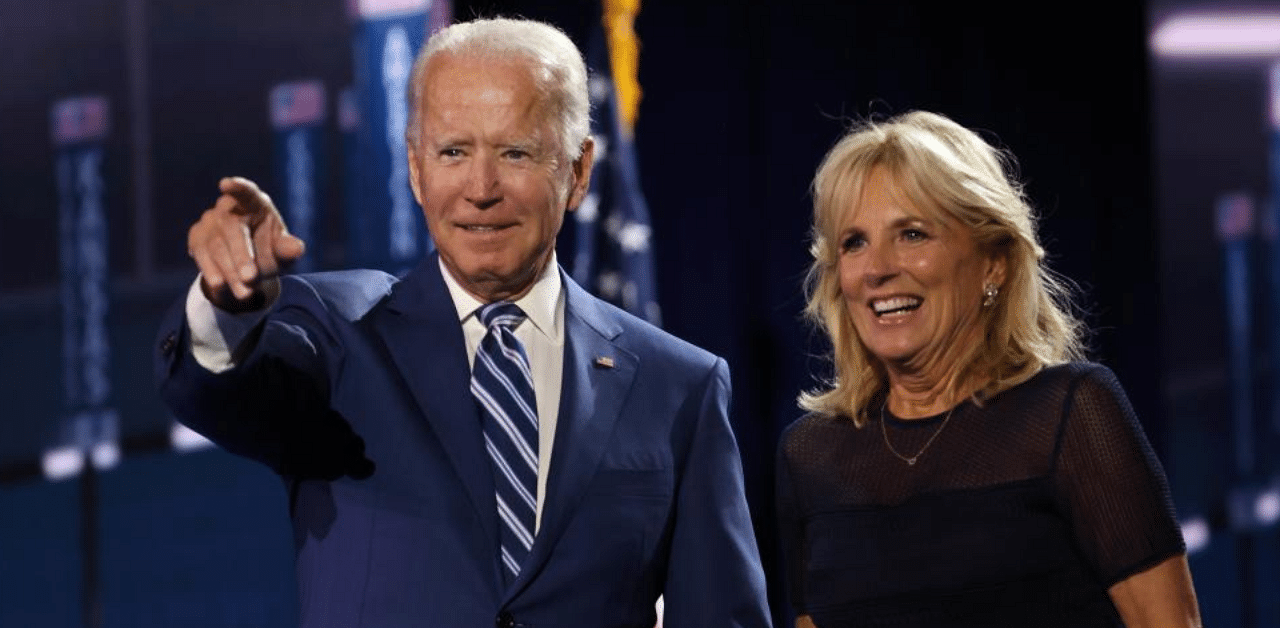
(528, 145)
(450, 140)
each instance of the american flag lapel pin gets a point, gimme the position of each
(604, 362)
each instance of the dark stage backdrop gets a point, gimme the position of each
(741, 101)
(1216, 138)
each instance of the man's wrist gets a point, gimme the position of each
(260, 299)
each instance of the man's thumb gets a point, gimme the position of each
(288, 247)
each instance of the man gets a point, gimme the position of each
(410, 445)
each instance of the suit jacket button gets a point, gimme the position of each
(505, 620)
(169, 343)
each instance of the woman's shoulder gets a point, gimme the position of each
(1069, 379)
(1072, 371)
(815, 421)
(1050, 396)
(814, 425)
(1083, 380)
(1088, 401)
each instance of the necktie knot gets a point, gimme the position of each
(500, 313)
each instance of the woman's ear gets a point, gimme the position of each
(996, 268)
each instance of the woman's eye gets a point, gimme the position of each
(914, 235)
(852, 243)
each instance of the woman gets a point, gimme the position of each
(963, 467)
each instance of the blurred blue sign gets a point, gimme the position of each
(298, 115)
(90, 424)
(385, 222)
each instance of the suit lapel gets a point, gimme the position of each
(424, 337)
(597, 377)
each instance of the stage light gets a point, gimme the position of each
(384, 8)
(62, 463)
(184, 439)
(1195, 533)
(1266, 508)
(105, 455)
(1218, 35)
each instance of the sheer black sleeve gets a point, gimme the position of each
(1109, 483)
(790, 527)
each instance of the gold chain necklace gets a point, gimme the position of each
(912, 460)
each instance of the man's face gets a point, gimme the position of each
(491, 178)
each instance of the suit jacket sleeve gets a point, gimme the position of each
(714, 577)
(273, 405)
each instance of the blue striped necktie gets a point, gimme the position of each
(503, 388)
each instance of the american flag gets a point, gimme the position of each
(295, 104)
(613, 255)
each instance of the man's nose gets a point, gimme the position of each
(483, 187)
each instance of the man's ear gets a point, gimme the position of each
(414, 170)
(582, 167)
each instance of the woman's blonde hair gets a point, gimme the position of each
(943, 168)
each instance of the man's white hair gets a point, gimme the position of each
(559, 72)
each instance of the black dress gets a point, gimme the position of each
(1020, 513)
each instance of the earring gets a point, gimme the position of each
(989, 293)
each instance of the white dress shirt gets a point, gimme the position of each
(214, 333)
(542, 334)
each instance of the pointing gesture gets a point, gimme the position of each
(239, 245)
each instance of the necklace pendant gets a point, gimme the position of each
(884, 431)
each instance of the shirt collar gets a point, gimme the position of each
(539, 303)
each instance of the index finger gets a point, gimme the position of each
(252, 201)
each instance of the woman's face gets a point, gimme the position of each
(912, 284)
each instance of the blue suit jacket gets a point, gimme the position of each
(644, 495)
